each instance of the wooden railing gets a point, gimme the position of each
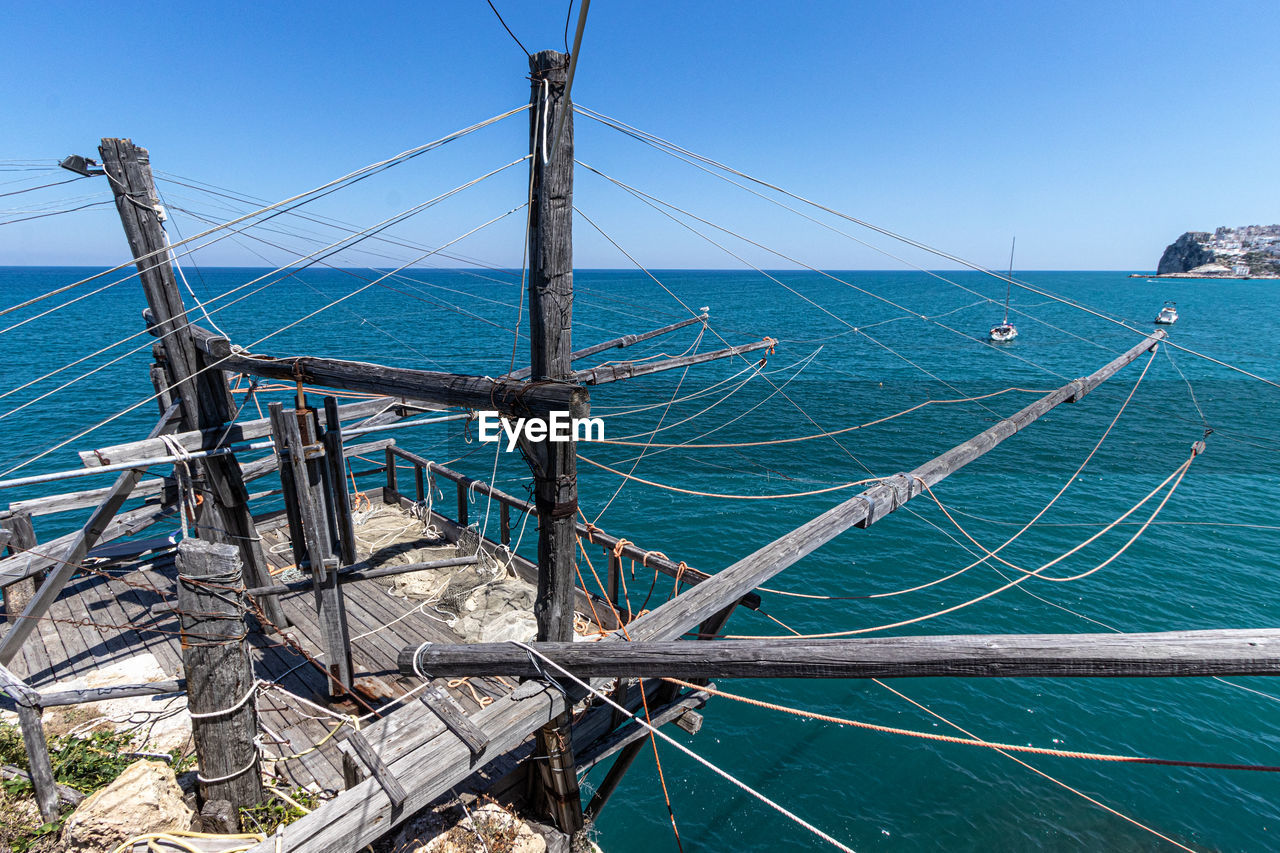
(425, 471)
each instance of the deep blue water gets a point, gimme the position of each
(874, 791)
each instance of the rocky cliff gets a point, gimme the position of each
(1251, 251)
(1185, 254)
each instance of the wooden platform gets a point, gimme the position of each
(123, 611)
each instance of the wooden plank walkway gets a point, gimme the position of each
(118, 613)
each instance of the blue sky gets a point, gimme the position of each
(1095, 132)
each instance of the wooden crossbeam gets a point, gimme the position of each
(631, 369)
(1158, 654)
(445, 389)
(617, 343)
(210, 439)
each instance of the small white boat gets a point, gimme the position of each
(1168, 314)
(1005, 331)
(1002, 333)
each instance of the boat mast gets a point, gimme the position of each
(1009, 291)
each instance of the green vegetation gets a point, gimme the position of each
(265, 817)
(86, 763)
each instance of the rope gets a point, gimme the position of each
(1034, 750)
(704, 762)
(938, 252)
(1176, 477)
(728, 497)
(351, 177)
(1011, 539)
(829, 433)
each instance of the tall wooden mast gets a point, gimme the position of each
(554, 463)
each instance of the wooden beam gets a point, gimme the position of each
(219, 672)
(211, 439)
(316, 544)
(631, 369)
(356, 574)
(554, 463)
(617, 343)
(688, 609)
(124, 524)
(445, 389)
(1145, 655)
(200, 385)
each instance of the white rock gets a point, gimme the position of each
(493, 820)
(172, 724)
(145, 798)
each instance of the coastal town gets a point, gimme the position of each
(1250, 251)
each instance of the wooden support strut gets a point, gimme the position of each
(617, 343)
(554, 464)
(630, 369)
(19, 536)
(199, 383)
(219, 672)
(30, 721)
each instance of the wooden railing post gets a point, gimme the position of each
(390, 493)
(21, 537)
(220, 682)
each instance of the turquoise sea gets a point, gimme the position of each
(1210, 561)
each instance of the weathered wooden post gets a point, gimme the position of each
(220, 682)
(305, 483)
(30, 721)
(554, 463)
(201, 386)
(21, 536)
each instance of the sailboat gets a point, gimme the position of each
(1006, 331)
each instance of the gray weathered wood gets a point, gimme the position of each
(210, 439)
(554, 464)
(66, 795)
(631, 369)
(446, 389)
(31, 724)
(381, 773)
(118, 691)
(454, 717)
(19, 536)
(219, 672)
(200, 385)
(305, 483)
(693, 606)
(48, 555)
(1156, 654)
(618, 343)
(611, 745)
(336, 470)
(365, 574)
(69, 560)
